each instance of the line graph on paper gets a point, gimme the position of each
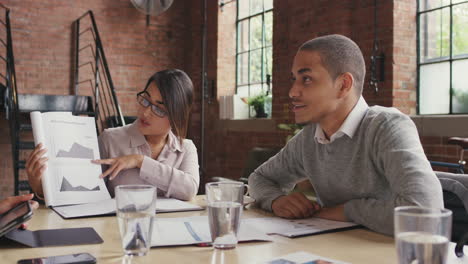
(66, 186)
(76, 151)
(75, 140)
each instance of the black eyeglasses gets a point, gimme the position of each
(145, 102)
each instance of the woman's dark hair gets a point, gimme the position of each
(176, 90)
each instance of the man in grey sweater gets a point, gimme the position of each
(362, 161)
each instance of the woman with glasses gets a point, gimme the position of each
(153, 150)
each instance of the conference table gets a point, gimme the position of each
(353, 246)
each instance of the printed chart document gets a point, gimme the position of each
(298, 227)
(107, 207)
(71, 143)
(71, 183)
(194, 230)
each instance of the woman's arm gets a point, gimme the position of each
(180, 183)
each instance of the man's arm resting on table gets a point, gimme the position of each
(335, 213)
(296, 205)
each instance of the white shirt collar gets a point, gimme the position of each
(348, 127)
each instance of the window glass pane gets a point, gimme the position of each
(256, 89)
(256, 6)
(256, 66)
(435, 35)
(242, 68)
(434, 93)
(268, 28)
(457, 1)
(460, 87)
(243, 91)
(243, 8)
(268, 4)
(256, 32)
(460, 30)
(243, 36)
(430, 4)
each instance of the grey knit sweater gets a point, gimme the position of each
(381, 167)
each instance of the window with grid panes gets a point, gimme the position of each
(254, 47)
(442, 56)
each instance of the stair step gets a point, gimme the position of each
(47, 103)
(23, 186)
(21, 164)
(26, 145)
(25, 127)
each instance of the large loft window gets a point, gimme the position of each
(442, 56)
(254, 47)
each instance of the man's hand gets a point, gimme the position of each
(119, 164)
(295, 205)
(333, 213)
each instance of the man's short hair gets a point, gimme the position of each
(339, 54)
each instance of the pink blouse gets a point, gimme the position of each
(174, 172)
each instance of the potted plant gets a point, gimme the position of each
(258, 103)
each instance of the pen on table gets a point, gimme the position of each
(204, 244)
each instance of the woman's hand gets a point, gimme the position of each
(120, 163)
(35, 167)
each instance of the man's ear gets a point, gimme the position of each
(346, 83)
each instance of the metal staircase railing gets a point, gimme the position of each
(100, 84)
(100, 102)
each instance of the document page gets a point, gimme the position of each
(195, 230)
(173, 205)
(297, 227)
(453, 259)
(108, 207)
(71, 143)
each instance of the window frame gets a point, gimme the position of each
(262, 48)
(450, 58)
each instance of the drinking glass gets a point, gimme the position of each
(225, 202)
(136, 208)
(422, 235)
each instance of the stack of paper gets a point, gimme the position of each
(195, 230)
(298, 227)
(108, 207)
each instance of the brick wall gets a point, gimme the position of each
(404, 56)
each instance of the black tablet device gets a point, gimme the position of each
(14, 217)
(81, 258)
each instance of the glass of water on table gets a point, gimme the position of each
(422, 235)
(225, 202)
(136, 208)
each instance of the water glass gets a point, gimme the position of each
(136, 208)
(422, 235)
(225, 202)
